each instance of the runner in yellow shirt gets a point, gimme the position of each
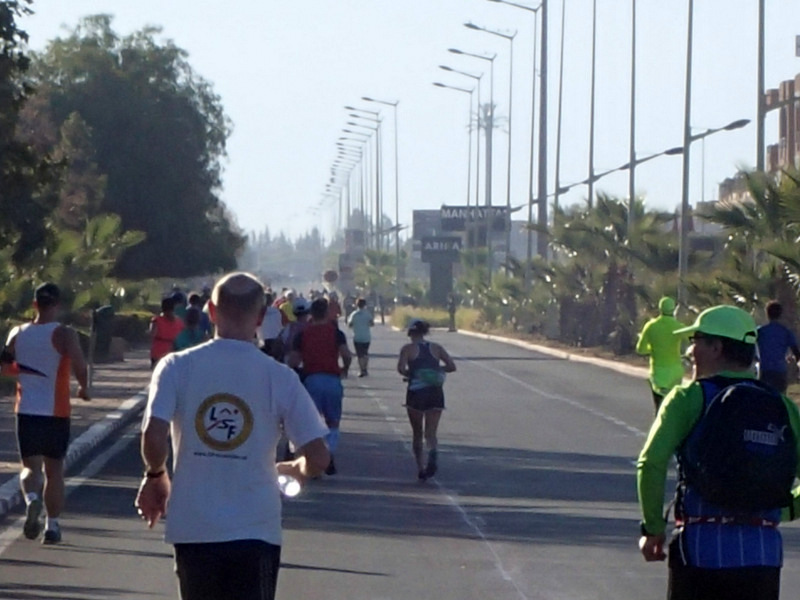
(664, 348)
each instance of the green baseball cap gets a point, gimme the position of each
(724, 321)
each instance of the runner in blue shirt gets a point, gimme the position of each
(774, 342)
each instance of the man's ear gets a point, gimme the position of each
(261, 314)
(212, 312)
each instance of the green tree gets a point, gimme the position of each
(26, 179)
(159, 133)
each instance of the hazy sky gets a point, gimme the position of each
(286, 69)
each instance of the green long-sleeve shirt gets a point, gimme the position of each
(677, 416)
(664, 348)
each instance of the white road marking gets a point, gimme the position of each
(574, 403)
(13, 531)
(474, 523)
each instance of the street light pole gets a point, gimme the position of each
(592, 103)
(510, 37)
(469, 128)
(529, 253)
(558, 120)
(396, 186)
(632, 141)
(489, 125)
(477, 129)
(761, 105)
(683, 248)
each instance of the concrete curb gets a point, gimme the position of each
(10, 494)
(592, 360)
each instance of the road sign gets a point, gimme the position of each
(456, 218)
(441, 248)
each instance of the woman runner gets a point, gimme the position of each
(423, 364)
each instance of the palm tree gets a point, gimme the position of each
(762, 257)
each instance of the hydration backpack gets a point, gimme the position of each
(742, 453)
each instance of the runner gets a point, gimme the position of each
(224, 402)
(164, 328)
(424, 364)
(718, 549)
(41, 354)
(360, 321)
(775, 341)
(318, 349)
(657, 339)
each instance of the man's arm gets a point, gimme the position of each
(313, 459)
(155, 487)
(675, 419)
(72, 349)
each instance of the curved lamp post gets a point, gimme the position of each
(510, 37)
(469, 128)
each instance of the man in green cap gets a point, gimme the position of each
(658, 340)
(718, 549)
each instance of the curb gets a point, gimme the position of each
(10, 494)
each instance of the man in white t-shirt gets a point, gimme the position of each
(224, 403)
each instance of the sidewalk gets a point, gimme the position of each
(118, 394)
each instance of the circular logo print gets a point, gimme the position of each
(223, 422)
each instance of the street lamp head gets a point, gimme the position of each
(737, 124)
(438, 84)
(446, 68)
(368, 99)
(350, 108)
(455, 51)
(674, 151)
(472, 26)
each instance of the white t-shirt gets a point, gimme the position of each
(271, 325)
(225, 400)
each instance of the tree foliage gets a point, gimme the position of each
(158, 132)
(26, 180)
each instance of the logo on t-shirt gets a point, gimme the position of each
(223, 422)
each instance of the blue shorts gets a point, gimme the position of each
(327, 392)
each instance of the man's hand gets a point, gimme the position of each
(83, 393)
(652, 547)
(151, 501)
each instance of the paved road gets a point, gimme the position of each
(535, 497)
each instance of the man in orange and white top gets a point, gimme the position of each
(41, 354)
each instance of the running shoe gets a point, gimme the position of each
(331, 468)
(52, 536)
(33, 526)
(422, 475)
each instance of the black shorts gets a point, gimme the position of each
(428, 398)
(362, 348)
(38, 435)
(237, 570)
(746, 583)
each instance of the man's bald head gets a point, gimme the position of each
(238, 295)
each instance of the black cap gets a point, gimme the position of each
(47, 294)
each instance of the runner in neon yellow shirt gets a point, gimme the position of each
(664, 348)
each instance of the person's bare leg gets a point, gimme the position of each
(54, 486)
(431, 427)
(415, 417)
(30, 477)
